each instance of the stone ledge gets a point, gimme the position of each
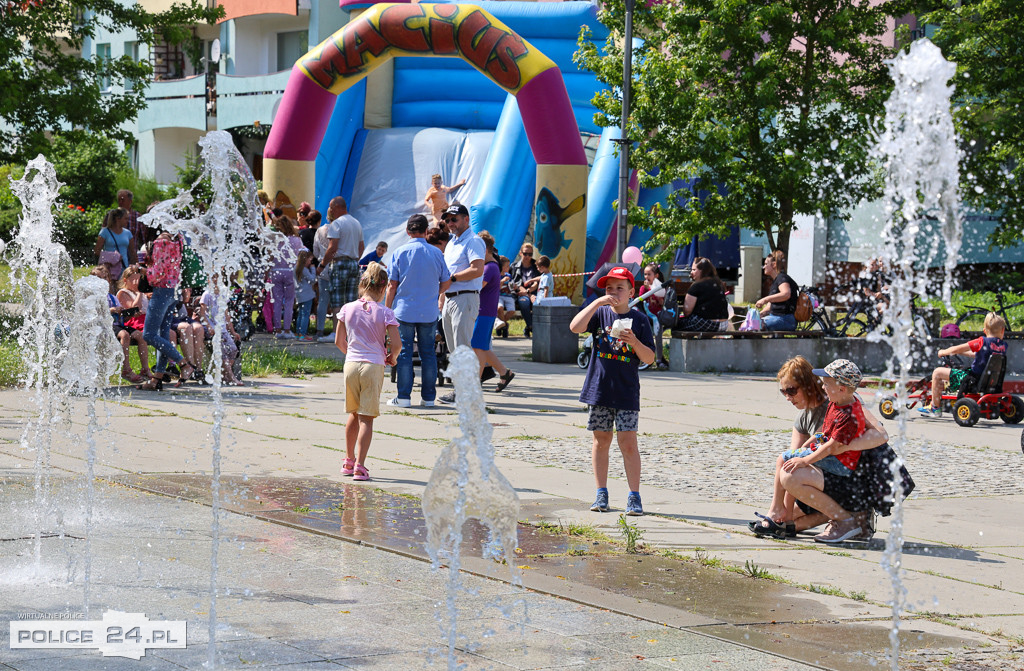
(736, 355)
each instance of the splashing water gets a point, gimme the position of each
(222, 219)
(918, 149)
(41, 269)
(93, 356)
(465, 484)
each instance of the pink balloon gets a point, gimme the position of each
(632, 255)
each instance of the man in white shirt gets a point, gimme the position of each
(340, 262)
(465, 258)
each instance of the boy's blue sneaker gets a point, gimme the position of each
(633, 505)
(601, 503)
(930, 412)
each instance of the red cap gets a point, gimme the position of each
(616, 273)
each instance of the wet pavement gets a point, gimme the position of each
(288, 598)
(296, 531)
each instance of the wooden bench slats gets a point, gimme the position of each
(744, 335)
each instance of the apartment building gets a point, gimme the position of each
(236, 84)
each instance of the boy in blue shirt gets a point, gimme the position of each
(612, 386)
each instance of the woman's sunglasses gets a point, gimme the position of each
(789, 391)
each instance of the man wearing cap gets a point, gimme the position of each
(340, 261)
(418, 278)
(464, 256)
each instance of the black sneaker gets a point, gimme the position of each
(448, 398)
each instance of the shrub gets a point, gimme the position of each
(10, 206)
(88, 165)
(144, 190)
(77, 228)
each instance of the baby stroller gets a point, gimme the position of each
(442, 352)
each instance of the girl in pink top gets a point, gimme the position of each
(368, 336)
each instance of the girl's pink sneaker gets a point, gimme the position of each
(348, 467)
(361, 473)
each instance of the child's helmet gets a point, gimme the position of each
(950, 331)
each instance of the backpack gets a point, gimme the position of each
(165, 265)
(803, 307)
(669, 315)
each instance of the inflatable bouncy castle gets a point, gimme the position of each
(487, 93)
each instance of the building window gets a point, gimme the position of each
(131, 50)
(103, 61)
(290, 46)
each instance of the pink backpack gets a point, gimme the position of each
(165, 266)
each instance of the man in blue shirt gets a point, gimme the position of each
(418, 276)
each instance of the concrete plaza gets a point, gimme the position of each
(708, 444)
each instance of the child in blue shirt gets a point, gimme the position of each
(612, 385)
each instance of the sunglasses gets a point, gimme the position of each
(789, 391)
(527, 253)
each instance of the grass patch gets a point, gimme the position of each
(631, 533)
(11, 366)
(527, 437)
(859, 595)
(702, 557)
(754, 571)
(826, 589)
(732, 430)
(263, 362)
(9, 293)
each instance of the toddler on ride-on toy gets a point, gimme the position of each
(980, 348)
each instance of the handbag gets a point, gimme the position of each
(112, 259)
(803, 307)
(752, 322)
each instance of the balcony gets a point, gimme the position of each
(241, 100)
(178, 103)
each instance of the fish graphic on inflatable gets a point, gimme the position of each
(550, 215)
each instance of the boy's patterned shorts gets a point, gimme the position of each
(603, 418)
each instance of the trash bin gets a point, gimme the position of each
(553, 342)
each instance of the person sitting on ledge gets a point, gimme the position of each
(778, 308)
(704, 307)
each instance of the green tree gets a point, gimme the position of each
(982, 38)
(764, 108)
(88, 166)
(46, 84)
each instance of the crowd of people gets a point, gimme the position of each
(837, 468)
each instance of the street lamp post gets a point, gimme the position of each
(624, 142)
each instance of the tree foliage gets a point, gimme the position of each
(46, 84)
(763, 109)
(88, 166)
(982, 38)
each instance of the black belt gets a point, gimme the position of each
(464, 291)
